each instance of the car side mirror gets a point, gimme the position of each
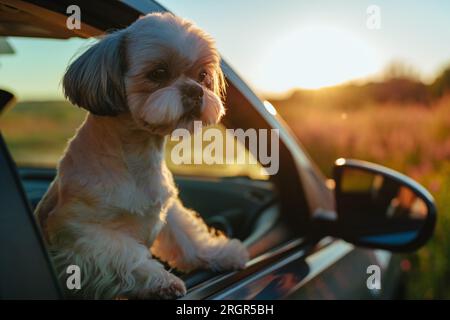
(380, 208)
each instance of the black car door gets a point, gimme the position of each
(25, 269)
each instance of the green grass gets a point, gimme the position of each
(430, 273)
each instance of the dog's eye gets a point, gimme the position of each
(159, 74)
(202, 76)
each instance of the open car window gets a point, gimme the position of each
(38, 127)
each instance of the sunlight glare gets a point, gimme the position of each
(270, 108)
(314, 57)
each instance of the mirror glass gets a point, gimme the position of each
(378, 209)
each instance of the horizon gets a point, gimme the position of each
(284, 95)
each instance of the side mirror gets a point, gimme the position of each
(380, 208)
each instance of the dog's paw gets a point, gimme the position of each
(232, 256)
(174, 288)
(170, 287)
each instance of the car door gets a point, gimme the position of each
(25, 269)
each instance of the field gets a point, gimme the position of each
(37, 132)
(413, 138)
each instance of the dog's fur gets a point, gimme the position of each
(113, 197)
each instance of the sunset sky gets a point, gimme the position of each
(275, 45)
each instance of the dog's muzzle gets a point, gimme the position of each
(192, 99)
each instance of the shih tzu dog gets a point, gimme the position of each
(113, 205)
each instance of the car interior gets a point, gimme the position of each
(240, 207)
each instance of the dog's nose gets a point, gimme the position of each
(193, 91)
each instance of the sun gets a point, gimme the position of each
(314, 57)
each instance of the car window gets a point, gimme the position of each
(38, 127)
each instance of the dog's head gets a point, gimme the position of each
(162, 69)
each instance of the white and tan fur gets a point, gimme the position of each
(113, 204)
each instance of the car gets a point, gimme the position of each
(308, 237)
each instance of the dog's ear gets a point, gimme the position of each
(95, 80)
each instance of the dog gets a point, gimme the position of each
(113, 206)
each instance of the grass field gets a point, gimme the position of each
(37, 132)
(411, 138)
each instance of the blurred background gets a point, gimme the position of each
(366, 80)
